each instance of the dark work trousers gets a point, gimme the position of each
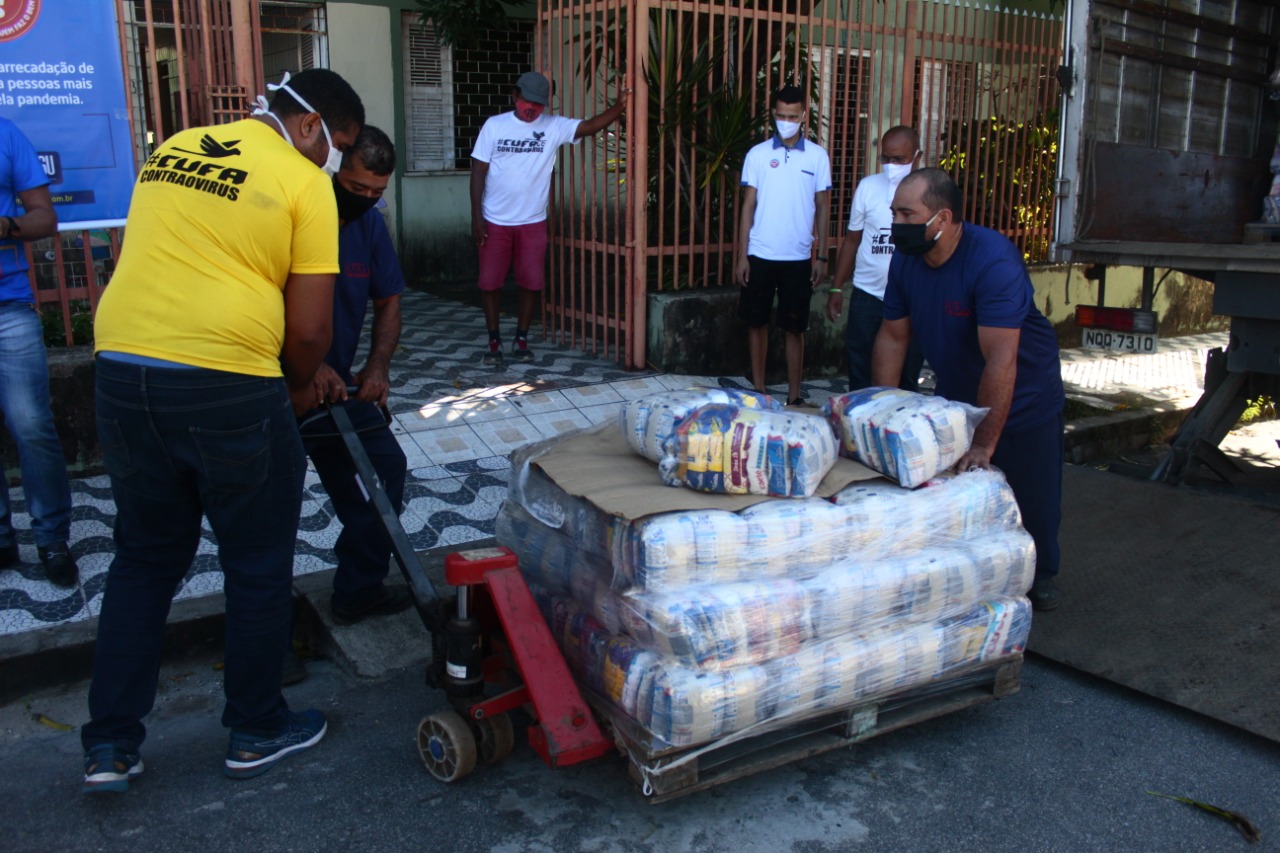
(363, 549)
(865, 314)
(178, 444)
(1032, 461)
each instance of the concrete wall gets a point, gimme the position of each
(360, 41)
(1183, 303)
(698, 331)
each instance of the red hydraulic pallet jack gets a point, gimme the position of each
(491, 633)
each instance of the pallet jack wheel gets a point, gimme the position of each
(447, 746)
(495, 737)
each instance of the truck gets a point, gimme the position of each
(1167, 157)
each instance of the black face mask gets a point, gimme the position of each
(909, 238)
(351, 206)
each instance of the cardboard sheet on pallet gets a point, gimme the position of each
(599, 466)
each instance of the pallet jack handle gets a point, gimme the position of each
(424, 593)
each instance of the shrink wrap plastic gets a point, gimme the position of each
(719, 625)
(675, 705)
(904, 435)
(700, 625)
(793, 538)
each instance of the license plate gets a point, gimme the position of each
(1119, 341)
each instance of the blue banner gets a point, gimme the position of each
(62, 84)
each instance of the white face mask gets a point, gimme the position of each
(787, 129)
(333, 162)
(895, 172)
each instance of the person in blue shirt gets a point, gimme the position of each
(24, 371)
(963, 292)
(370, 272)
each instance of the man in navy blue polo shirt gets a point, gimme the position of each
(963, 292)
(370, 272)
(786, 189)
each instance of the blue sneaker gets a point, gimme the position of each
(108, 769)
(251, 755)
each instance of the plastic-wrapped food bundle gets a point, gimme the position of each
(910, 437)
(719, 625)
(702, 623)
(678, 705)
(728, 449)
(780, 538)
(949, 507)
(650, 422)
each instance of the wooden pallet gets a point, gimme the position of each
(1261, 232)
(666, 774)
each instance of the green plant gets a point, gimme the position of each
(989, 156)
(81, 325)
(1261, 408)
(462, 22)
(708, 103)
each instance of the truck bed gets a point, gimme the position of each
(1202, 259)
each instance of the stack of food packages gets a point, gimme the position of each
(695, 626)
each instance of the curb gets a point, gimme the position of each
(58, 655)
(1105, 436)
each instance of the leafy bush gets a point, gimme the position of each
(81, 325)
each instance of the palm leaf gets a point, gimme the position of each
(1251, 833)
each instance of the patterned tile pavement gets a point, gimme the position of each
(457, 420)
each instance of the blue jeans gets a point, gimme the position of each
(178, 444)
(363, 548)
(24, 399)
(1032, 461)
(865, 315)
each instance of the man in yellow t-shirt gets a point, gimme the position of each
(208, 338)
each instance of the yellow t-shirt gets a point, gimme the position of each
(220, 217)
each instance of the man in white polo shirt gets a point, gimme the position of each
(786, 190)
(868, 242)
(511, 167)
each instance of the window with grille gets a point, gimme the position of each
(428, 97)
(946, 96)
(294, 38)
(842, 122)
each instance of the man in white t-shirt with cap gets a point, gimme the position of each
(868, 242)
(511, 168)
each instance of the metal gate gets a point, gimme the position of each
(649, 205)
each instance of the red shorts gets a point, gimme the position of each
(524, 246)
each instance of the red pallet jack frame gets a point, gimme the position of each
(491, 633)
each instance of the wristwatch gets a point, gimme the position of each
(12, 228)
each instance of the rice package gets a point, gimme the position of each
(738, 450)
(904, 435)
(650, 422)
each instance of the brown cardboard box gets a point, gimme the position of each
(599, 466)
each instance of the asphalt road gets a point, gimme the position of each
(1063, 765)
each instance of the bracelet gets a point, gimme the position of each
(12, 229)
(834, 290)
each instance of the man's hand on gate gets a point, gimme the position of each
(374, 384)
(330, 388)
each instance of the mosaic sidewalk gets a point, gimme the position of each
(457, 420)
